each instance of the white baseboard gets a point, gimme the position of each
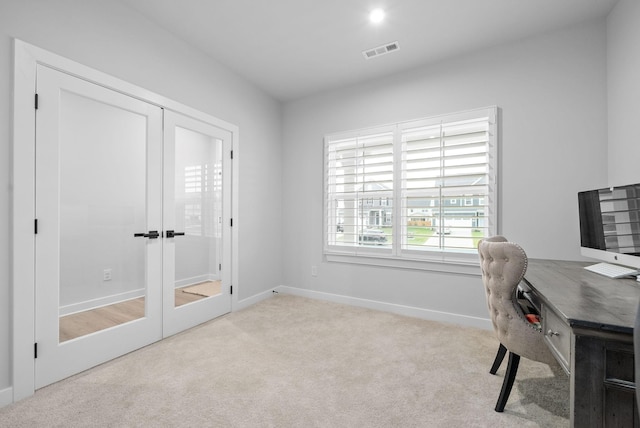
(245, 303)
(102, 301)
(427, 314)
(6, 396)
(195, 280)
(121, 297)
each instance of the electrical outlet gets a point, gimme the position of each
(314, 270)
(106, 275)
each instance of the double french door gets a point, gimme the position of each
(133, 208)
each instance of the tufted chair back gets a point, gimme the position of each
(503, 266)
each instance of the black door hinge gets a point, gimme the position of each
(231, 154)
(35, 350)
(231, 223)
(231, 289)
(35, 226)
(220, 266)
(36, 101)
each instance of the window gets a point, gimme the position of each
(424, 189)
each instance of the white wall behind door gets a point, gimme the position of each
(102, 203)
(116, 40)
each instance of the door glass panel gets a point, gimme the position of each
(102, 204)
(198, 208)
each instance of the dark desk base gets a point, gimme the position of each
(603, 388)
(588, 323)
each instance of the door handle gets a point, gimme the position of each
(153, 234)
(171, 233)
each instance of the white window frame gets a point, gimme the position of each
(444, 260)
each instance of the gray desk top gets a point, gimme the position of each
(583, 298)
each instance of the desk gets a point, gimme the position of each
(588, 322)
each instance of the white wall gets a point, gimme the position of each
(110, 37)
(552, 92)
(623, 63)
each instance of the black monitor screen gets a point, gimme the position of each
(610, 219)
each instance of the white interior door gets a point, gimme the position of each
(197, 212)
(98, 188)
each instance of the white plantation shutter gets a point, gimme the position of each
(359, 196)
(447, 177)
(424, 189)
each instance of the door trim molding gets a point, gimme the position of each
(26, 57)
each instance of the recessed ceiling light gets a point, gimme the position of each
(376, 16)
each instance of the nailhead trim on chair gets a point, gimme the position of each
(522, 274)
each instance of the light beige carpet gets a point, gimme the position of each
(205, 289)
(295, 362)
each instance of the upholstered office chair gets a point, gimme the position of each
(503, 266)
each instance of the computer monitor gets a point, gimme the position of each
(610, 224)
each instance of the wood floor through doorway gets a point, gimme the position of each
(87, 322)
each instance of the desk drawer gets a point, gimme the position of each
(557, 334)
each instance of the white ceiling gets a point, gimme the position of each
(293, 48)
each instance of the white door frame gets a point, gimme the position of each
(26, 57)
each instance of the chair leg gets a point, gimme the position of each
(509, 377)
(499, 357)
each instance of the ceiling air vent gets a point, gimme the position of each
(381, 50)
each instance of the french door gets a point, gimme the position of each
(197, 209)
(131, 243)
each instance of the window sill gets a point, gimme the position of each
(459, 267)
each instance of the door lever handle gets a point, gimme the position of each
(171, 233)
(153, 234)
